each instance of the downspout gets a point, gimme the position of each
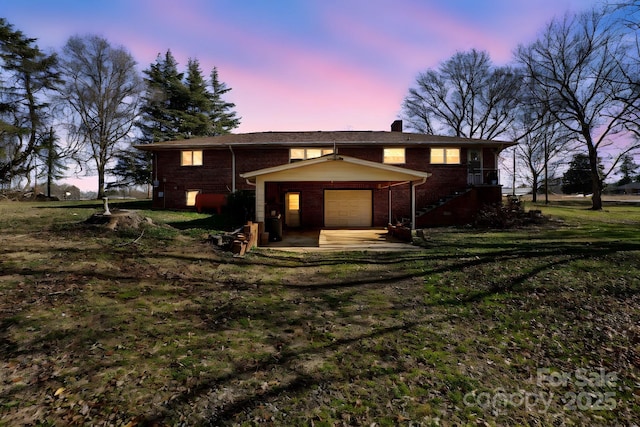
(233, 170)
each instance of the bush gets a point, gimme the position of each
(510, 215)
(241, 206)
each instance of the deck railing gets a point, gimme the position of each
(483, 176)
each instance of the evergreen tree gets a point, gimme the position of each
(133, 167)
(51, 154)
(164, 103)
(29, 74)
(175, 107)
(222, 115)
(199, 103)
(577, 179)
(628, 170)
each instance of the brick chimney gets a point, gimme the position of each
(396, 126)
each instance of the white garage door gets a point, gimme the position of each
(347, 208)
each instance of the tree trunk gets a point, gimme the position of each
(546, 175)
(534, 190)
(100, 183)
(596, 198)
(596, 180)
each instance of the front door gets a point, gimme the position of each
(292, 209)
(474, 163)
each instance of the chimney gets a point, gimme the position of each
(396, 126)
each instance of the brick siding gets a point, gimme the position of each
(215, 176)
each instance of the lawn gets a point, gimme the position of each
(153, 326)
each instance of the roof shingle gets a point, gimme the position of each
(324, 138)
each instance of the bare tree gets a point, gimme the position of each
(542, 144)
(582, 74)
(627, 15)
(102, 89)
(466, 96)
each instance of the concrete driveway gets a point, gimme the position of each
(373, 239)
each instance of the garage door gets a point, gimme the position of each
(347, 208)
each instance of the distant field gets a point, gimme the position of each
(152, 326)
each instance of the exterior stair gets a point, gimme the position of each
(425, 211)
(441, 202)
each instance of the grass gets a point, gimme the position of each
(96, 330)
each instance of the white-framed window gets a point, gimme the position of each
(191, 158)
(304, 153)
(394, 156)
(445, 156)
(191, 197)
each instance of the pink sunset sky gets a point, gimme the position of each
(299, 64)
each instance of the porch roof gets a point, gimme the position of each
(334, 167)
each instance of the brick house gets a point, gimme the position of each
(334, 179)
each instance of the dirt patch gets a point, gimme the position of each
(118, 220)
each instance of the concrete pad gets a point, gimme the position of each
(374, 239)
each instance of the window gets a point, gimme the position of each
(445, 156)
(191, 158)
(297, 154)
(293, 201)
(191, 197)
(394, 156)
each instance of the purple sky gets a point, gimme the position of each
(294, 64)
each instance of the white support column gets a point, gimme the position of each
(260, 199)
(390, 211)
(413, 205)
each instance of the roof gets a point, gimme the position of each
(629, 186)
(320, 138)
(390, 172)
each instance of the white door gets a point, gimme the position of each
(348, 208)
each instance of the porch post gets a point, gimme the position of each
(390, 212)
(413, 205)
(260, 199)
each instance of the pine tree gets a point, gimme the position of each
(174, 107)
(177, 107)
(165, 102)
(51, 154)
(199, 103)
(133, 167)
(628, 169)
(223, 117)
(577, 179)
(29, 74)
